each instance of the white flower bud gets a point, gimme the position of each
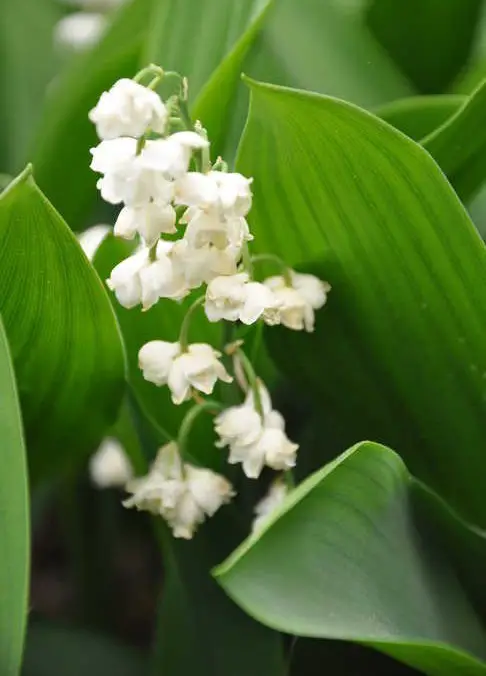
(197, 368)
(109, 466)
(128, 109)
(277, 493)
(234, 298)
(181, 493)
(149, 220)
(298, 302)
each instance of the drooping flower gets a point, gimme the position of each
(201, 265)
(277, 493)
(126, 178)
(227, 194)
(128, 109)
(125, 280)
(149, 220)
(209, 227)
(255, 438)
(298, 302)
(235, 297)
(171, 156)
(198, 367)
(179, 492)
(109, 466)
(139, 280)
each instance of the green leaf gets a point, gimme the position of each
(398, 353)
(420, 115)
(192, 38)
(63, 334)
(329, 52)
(430, 40)
(459, 145)
(216, 98)
(366, 570)
(26, 67)
(14, 519)
(59, 651)
(61, 149)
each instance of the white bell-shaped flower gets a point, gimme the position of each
(196, 368)
(238, 425)
(128, 109)
(201, 265)
(181, 493)
(125, 280)
(299, 301)
(235, 297)
(171, 156)
(255, 438)
(138, 279)
(110, 466)
(228, 194)
(277, 493)
(149, 220)
(209, 227)
(125, 176)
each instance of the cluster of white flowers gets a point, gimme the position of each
(156, 164)
(179, 492)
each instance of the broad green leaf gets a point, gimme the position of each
(62, 331)
(27, 65)
(14, 519)
(459, 145)
(398, 353)
(366, 570)
(430, 40)
(61, 149)
(420, 115)
(330, 52)
(192, 38)
(53, 650)
(216, 98)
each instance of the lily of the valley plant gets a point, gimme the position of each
(189, 213)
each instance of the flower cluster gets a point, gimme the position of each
(189, 217)
(179, 492)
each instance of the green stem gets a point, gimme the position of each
(151, 69)
(186, 323)
(286, 270)
(289, 480)
(189, 420)
(253, 380)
